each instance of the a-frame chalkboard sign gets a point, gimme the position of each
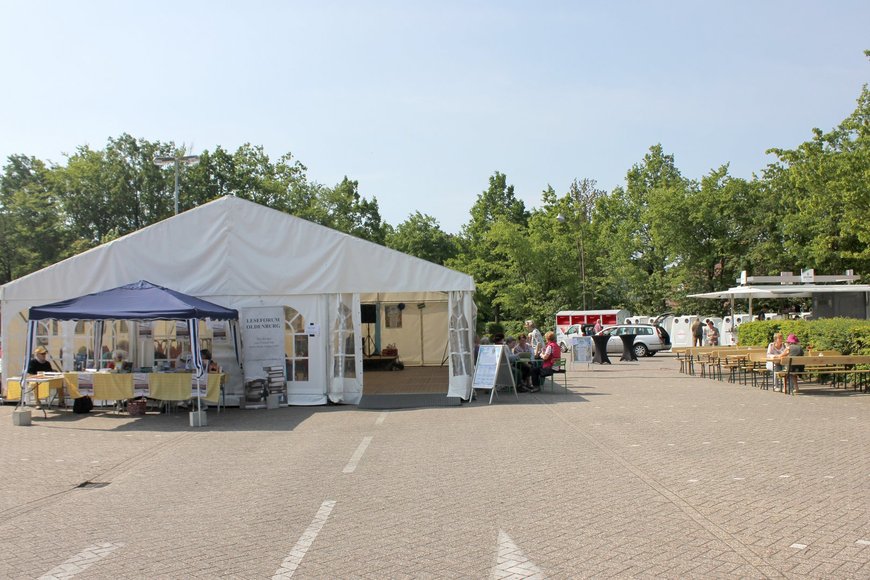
(493, 370)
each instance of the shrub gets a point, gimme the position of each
(846, 335)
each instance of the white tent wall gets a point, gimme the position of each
(422, 338)
(235, 253)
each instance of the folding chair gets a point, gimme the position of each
(559, 368)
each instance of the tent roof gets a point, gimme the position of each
(138, 301)
(234, 247)
(755, 292)
(782, 291)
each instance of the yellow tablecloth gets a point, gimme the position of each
(163, 386)
(170, 386)
(71, 384)
(113, 387)
(43, 387)
(116, 387)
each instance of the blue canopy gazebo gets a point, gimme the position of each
(141, 300)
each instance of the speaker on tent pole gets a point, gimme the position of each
(368, 313)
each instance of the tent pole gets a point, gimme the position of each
(28, 348)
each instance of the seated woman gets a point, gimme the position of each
(550, 354)
(117, 362)
(775, 351)
(794, 349)
(208, 363)
(524, 349)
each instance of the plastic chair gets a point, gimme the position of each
(559, 368)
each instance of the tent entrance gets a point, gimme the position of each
(409, 388)
(410, 381)
(305, 350)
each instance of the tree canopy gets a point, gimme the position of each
(643, 246)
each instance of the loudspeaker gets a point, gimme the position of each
(368, 313)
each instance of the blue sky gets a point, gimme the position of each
(422, 101)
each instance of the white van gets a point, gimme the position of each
(571, 322)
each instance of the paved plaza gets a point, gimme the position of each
(638, 471)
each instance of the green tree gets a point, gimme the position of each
(345, 210)
(112, 192)
(480, 252)
(421, 235)
(823, 192)
(633, 274)
(31, 233)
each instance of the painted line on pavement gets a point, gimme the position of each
(357, 455)
(381, 418)
(291, 562)
(511, 562)
(81, 561)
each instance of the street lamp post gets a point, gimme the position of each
(177, 160)
(582, 253)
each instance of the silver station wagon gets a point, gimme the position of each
(649, 338)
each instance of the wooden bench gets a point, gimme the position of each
(843, 366)
(731, 358)
(689, 355)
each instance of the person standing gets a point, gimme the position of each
(697, 333)
(597, 328)
(535, 338)
(712, 334)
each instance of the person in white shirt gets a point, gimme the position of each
(535, 337)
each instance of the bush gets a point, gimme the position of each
(846, 335)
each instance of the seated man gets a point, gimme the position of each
(39, 364)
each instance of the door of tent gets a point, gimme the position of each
(305, 339)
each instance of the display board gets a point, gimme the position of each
(493, 370)
(581, 347)
(263, 348)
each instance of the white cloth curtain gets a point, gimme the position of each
(460, 342)
(344, 381)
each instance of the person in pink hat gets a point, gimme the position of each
(794, 349)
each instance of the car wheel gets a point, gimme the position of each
(563, 347)
(640, 350)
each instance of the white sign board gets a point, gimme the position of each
(582, 349)
(493, 369)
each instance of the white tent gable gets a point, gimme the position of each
(231, 246)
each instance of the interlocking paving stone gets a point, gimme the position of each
(611, 480)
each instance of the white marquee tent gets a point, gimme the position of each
(242, 255)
